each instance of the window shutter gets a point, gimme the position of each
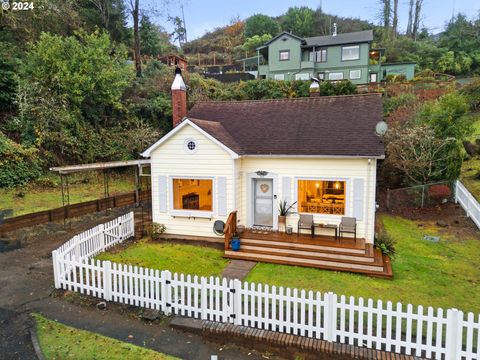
(287, 190)
(222, 195)
(162, 194)
(311, 56)
(358, 195)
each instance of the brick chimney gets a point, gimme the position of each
(179, 98)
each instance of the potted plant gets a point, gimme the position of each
(235, 242)
(283, 210)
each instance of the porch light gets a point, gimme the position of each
(317, 185)
(261, 173)
(337, 185)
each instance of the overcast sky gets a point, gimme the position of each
(205, 15)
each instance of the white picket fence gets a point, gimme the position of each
(468, 202)
(431, 333)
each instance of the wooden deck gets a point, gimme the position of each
(323, 252)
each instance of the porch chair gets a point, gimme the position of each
(306, 222)
(348, 225)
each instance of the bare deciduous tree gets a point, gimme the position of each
(417, 18)
(410, 18)
(417, 153)
(395, 18)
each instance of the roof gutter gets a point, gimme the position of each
(380, 157)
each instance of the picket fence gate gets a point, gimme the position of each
(430, 333)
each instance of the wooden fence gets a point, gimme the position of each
(71, 211)
(429, 333)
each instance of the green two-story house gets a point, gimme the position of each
(334, 57)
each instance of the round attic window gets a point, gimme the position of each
(190, 145)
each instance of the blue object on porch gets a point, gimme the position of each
(235, 244)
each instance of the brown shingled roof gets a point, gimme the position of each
(325, 126)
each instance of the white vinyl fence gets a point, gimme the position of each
(468, 202)
(431, 333)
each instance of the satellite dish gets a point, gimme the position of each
(381, 128)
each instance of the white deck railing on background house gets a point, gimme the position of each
(431, 333)
(468, 202)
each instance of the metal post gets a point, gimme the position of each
(423, 194)
(137, 187)
(388, 199)
(106, 192)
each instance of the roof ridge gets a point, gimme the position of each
(303, 98)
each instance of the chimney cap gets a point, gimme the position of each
(178, 83)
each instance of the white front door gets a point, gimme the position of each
(263, 202)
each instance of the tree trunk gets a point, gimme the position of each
(395, 18)
(416, 20)
(410, 18)
(386, 14)
(136, 38)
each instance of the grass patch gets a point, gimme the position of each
(444, 274)
(186, 259)
(36, 198)
(59, 341)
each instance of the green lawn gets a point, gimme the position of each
(186, 259)
(444, 274)
(36, 198)
(59, 341)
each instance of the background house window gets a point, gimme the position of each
(350, 52)
(303, 76)
(335, 76)
(321, 196)
(192, 194)
(321, 76)
(318, 56)
(279, 77)
(355, 74)
(284, 55)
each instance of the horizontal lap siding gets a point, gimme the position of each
(329, 168)
(210, 160)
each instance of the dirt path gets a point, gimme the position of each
(26, 285)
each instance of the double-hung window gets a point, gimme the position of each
(284, 55)
(318, 56)
(350, 53)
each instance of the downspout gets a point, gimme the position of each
(367, 213)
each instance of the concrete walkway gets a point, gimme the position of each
(26, 285)
(238, 269)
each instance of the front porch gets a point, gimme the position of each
(320, 251)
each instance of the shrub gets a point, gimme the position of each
(156, 230)
(385, 243)
(18, 164)
(439, 192)
(393, 103)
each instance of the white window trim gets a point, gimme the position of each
(348, 188)
(282, 77)
(351, 47)
(355, 78)
(191, 213)
(337, 72)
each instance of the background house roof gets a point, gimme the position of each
(346, 38)
(315, 126)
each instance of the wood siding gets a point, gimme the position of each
(209, 161)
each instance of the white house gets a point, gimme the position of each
(319, 152)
